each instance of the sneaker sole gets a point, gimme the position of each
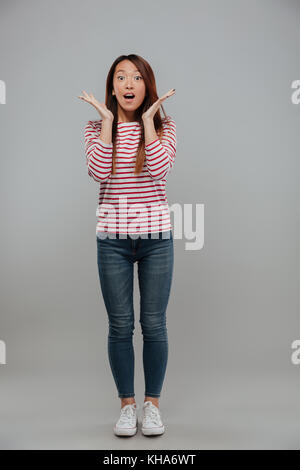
(153, 431)
(125, 432)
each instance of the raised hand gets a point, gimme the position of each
(105, 113)
(150, 113)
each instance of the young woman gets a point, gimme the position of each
(130, 151)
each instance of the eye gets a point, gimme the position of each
(120, 76)
(138, 76)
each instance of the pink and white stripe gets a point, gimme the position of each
(130, 203)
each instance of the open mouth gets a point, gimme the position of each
(129, 97)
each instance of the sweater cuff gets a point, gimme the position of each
(150, 146)
(108, 146)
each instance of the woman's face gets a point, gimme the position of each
(127, 79)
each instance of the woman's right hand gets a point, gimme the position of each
(105, 113)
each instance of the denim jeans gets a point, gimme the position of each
(155, 258)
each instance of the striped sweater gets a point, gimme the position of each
(128, 203)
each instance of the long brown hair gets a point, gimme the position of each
(150, 97)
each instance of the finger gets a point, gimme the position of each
(167, 95)
(170, 92)
(162, 98)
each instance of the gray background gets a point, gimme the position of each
(234, 306)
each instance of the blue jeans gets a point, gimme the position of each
(116, 258)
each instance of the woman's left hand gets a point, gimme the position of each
(150, 113)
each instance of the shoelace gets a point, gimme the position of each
(151, 415)
(127, 412)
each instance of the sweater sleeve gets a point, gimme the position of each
(98, 153)
(160, 156)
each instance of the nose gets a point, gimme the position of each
(129, 85)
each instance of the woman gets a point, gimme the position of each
(130, 150)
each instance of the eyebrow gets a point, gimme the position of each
(121, 70)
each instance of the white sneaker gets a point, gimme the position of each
(128, 421)
(152, 422)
